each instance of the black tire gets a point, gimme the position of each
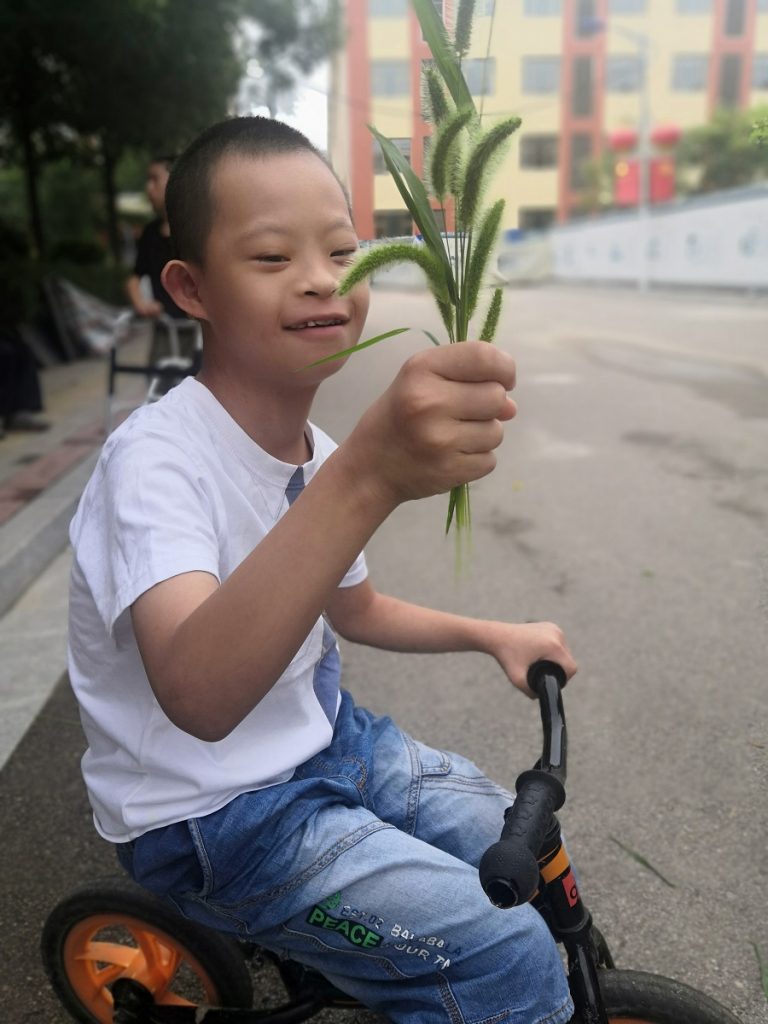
(89, 934)
(651, 999)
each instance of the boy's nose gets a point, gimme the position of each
(320, 282)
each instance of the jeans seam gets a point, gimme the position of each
(414, 790)
(201, 853)
(448, 1000)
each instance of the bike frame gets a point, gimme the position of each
(531, 834)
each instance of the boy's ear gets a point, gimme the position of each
(180, 280)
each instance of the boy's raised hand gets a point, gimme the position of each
(437, 424)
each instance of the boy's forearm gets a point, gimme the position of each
(396, 625)
(228, 653)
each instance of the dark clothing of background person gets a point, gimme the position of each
(152, 253)
(19, 381)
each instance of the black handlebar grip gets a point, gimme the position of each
(509, 871)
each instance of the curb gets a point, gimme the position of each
(32, 539)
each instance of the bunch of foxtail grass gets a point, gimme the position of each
(460, 164)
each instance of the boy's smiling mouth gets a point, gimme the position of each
(315, 322)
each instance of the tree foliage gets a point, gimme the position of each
(721, 154)
(91, 79)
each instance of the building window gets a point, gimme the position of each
(581, 154)
(542, 8)
(627, 6)
(762, 6)
(735, 17)
(581, 97)
(760, 71)
(541, 74)
(480, 75)
(390, 78)
(586, 16)
(729, 91)
(533, 218)
(392, 223)
(694, 6)
(388, 8)
(689, 72)
(379, 167)
(624, 73)
(538, 151)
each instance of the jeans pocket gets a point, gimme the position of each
(430, 760)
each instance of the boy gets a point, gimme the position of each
(218, 551)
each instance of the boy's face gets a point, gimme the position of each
(281, 238)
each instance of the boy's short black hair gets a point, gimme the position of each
(166, 160)
(188, 194)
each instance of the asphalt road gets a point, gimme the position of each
(630, 505)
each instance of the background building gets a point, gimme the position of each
(578, 72)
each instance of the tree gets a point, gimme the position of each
(721, 154)
(759, 134)
(93, 79)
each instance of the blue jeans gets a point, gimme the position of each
(364, 866)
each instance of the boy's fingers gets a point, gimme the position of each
(472, 361)
(484, 400)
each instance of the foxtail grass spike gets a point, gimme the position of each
(491, 322)
(489, 146)
(436, 38)
(437, 102)
(443, 150)
(391, 253)
(482, 248)
(463, 35)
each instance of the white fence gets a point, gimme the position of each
(716, 241)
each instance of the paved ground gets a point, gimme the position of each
(630, 504)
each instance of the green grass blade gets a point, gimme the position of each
(431, 337)
(762, 968)
(414, 195)
(454, 497)
(433, 30)
(356, 348)
(641, 860)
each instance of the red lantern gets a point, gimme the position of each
(665, 136)
(622, 140)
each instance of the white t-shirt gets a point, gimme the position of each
(179, 487)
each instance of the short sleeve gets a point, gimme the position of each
(357, 572)
(147, 515)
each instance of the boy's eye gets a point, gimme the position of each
(345, 255)
(271, 258)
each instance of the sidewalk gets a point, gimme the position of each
(41, 478)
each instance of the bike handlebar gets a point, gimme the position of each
(509, 870)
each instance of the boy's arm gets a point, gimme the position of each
(364, 616)
(212, 652)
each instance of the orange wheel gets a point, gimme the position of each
(116, 930)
